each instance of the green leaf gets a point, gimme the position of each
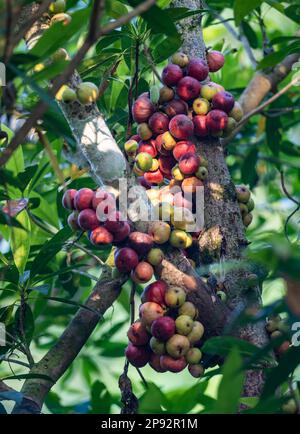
(248, 169)
(223, 345)
(49, 250)
(231, 385)
(20, 241)
(274, 138)
(26, 322)
(250, 34)
(289, 361)
(58, 34)
(101, 399)
(242, 8)
(157, 19)
(152, 400)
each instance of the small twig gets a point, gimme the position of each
(151, 63)
(8, 30)
(17, 362)
(294, 201)
(259, 109)
(22, 327)
(105, 82)
(54, 162)
(133, 84)
(286, 191)
(267, 48)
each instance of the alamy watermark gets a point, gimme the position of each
(185, 209)
(2, 74)
(2, 335)
(296, 335)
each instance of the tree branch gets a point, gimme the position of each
(259, 109)
(61, 355)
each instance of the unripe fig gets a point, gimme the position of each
(231, 126)
(189, 164)
(73, 221)
(140, 242)
(182, 148)
(215, 60)
(237, 113)
(122, 233)
(57, 7)
(216, 121)
(247, 219)
(60, 54)
(275, 335)
(175, 107)
(131, 147)
(189, 309)
(149, 312)
(201, 126)
(155, 292)
(144, 131)
(183, 220)
(87, 220)
(137, 171)
(142, 273)
(175, 296)
(290, 406)
(137, 334)
(202, 173)
(100, 236)
(68, 95)
(250, 205)
(198, 69)
(180, 59)
(222, 295)
(184, 324)
(159, 123)
(165, 94)
(168, 363)
(148, 146)
(65, 19)
(168, 141)
(188, 88)
(189, 185)
(193, 356)
(157, 346)
(243, 208)
(181, 127)
(197, 332)
(142, 109)
(87, 93)
(171, 74)
(180, 239)
(196, 370)
(155, 257)
(163, 328)
(177, 346)
(155, 364)
(177, 174)
(201, 106)
(154, 94)
(242, 193)
(160, 231)
(209, 90)
(156, 177)
(137, 356)
(144, 161)
(126, 259)
(223, 101)
(155, 165)
(272, 325)
(68, 198)
(83, 199)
